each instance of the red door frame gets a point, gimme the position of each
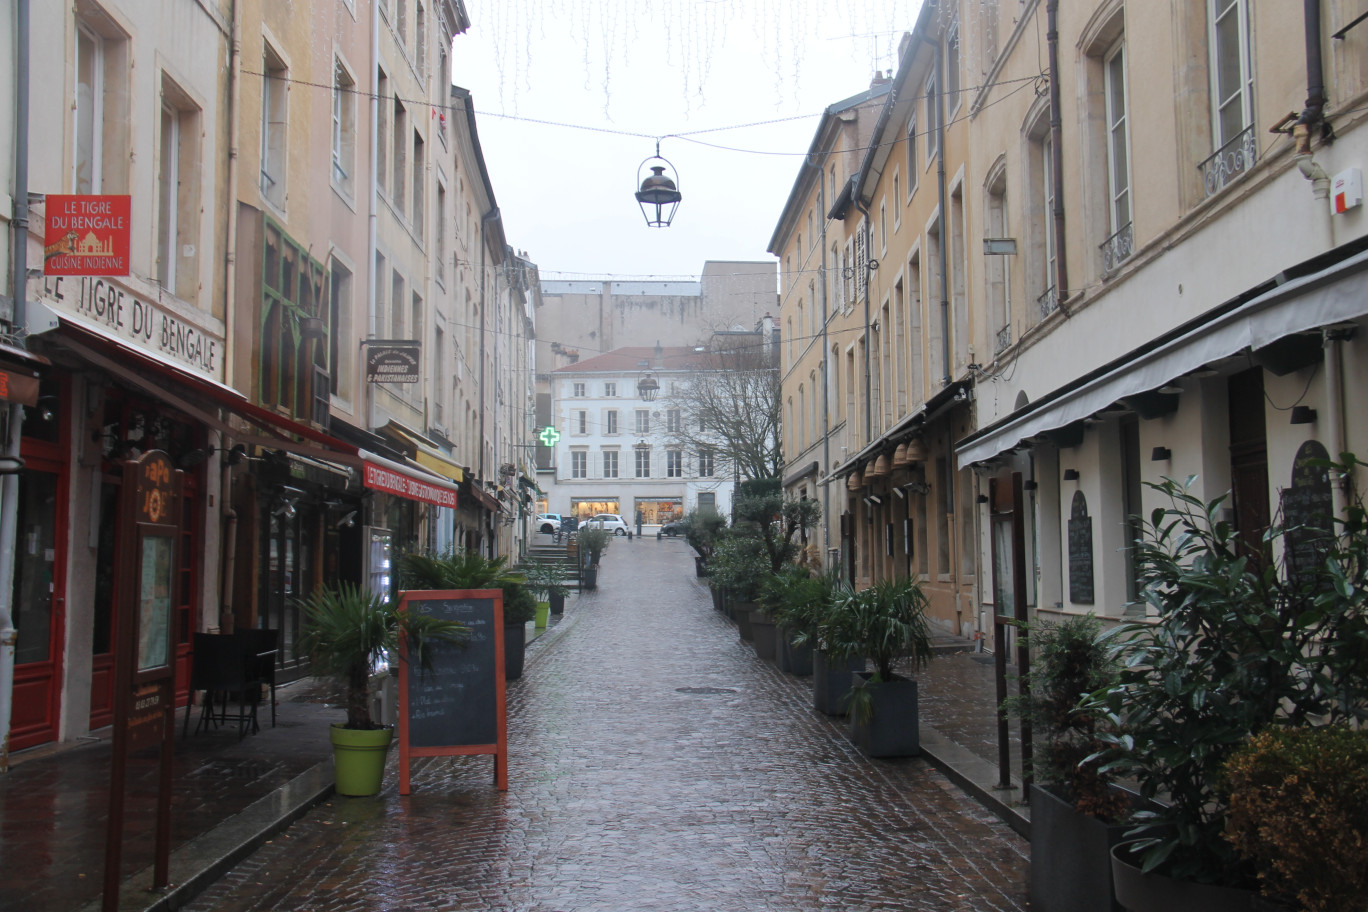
(31, 679)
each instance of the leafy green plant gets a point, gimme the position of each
(739, 565)
(470, 570)
(544, 580)
(595, 542)
(774, 521)
(1237, 644)
(799, 600)
(1067, 664)
(882, 623)
(1299, 813)
(702, 529)
(348, 631)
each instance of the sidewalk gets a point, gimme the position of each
(230, 796)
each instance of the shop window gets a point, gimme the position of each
(292, 316)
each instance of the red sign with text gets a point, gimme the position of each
(87, 235)
(380, 478)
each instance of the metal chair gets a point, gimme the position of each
(221, 668)
(262, 646)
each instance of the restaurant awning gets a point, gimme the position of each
(1332, 294)
(149, 374)
(424, 451)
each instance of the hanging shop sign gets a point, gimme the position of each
(392, 361)
(86, 235)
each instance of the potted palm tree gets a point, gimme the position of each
(798, 601)
(883, 623)
(471, 570)
(593, 542)
(348, 633)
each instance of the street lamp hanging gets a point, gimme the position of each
(648, 386)
(659, 195)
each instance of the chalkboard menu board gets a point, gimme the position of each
(1307, 507)
(458, 706)
(1080, 552)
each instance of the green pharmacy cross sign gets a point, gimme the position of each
(549, 436)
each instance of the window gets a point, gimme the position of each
(952, 67)
(897, 200)
(274, 126)
(439, 238)
(100, 109)
(578, 390)
(579, 422)
(439, 393)
(419, 184)
(674, 464)
(382, 129)
(1117, 247)
(883, 226)
(1232, 86)
(420, 34)
(178, 191)
(610, 464)
(400, 163)
(398, 297)
(707, 501)
(931, 120)
(643, 421)
(911, 155)
(343, 129)
(996, 267)
(168, 182)
(705, 463)
(340, 355)
(610, 390)
(643, 463)
(292, 286)
(579, 464)
(610, 421)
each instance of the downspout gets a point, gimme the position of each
(1057, 149)
(9, 486)
(826, 379)
(1334, 404)
(1314, 112)
(944, 244)
(228, 568)
(868, 354)
(368, 389)
(230, 242)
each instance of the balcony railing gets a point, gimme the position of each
(1230, 161)
(1117, 248)
(1004, 338)
(1048, 302)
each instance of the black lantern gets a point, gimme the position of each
(648, 386)
(659, 194)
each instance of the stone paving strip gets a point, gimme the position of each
(655, 763)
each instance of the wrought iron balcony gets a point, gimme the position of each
(1117, 248)
(1004, 338)
(1230, 161)
(1048, 302)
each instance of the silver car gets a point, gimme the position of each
(609, 522)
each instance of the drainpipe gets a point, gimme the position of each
(868, 354)
(944, 245)
(1314, 112)
(1057, 148)
(826, 380)
(9, 484)
(1334, 405)
(230, 242)
(372, 303)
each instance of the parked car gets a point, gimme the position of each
(609, 522)
(673, 528)
(549, 522)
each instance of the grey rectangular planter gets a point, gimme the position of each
(763, 634)
(795, 660)
(891, 728)
(1070, 856)
(831, 680)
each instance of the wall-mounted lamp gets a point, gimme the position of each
(898, 493)
(918, 487)
(1170, 389)
(1029, 485)
(873, 499)
(1303, 414)
(347, 522)
(1161, 454)
(982, 498)
(1071, 474)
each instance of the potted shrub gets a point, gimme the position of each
(543, 581)
(882, 623)
(798, 600)
(1237, 643)
(738, 566)
(1298, 802)
(471, 570)
(701, 531)
(348, 633)
(593, 542)
(1077, 812)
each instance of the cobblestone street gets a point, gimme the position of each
(655, 763)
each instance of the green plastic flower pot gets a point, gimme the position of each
(543, 615)
(359, 759)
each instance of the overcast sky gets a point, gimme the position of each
(570, 96)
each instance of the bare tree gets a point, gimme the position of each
(730, 408)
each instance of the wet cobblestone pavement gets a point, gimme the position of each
(655, 763)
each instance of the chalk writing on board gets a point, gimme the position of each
(453, 704)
